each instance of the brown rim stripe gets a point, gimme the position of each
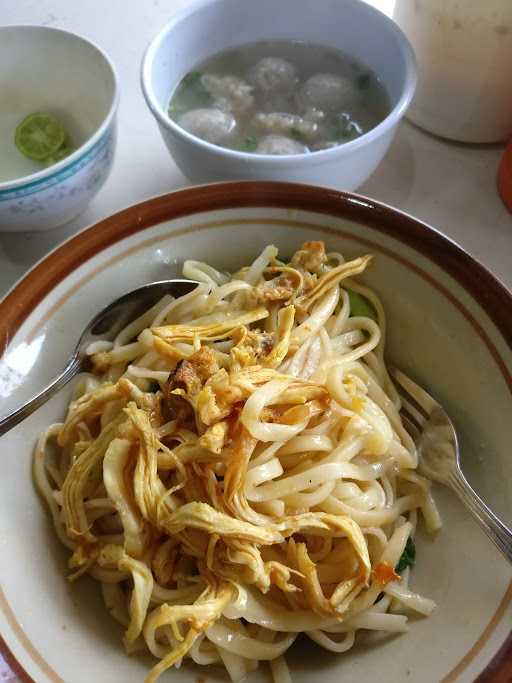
(500, 669)
(13, 663)
(481, 642)
(480, 283)
(26, 644)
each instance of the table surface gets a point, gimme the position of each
(450, 186)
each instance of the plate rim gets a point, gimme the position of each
(31, 289)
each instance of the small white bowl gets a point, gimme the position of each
(207, 27)
(51, 70)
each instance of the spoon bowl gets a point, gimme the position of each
(104, 326)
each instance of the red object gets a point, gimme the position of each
(504, 180)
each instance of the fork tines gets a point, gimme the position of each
(417, 405)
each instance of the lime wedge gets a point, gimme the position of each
(64, 150)
(60, 154)
(39, 136)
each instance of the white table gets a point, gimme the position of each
(448, 185)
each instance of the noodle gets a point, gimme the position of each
(236, 472)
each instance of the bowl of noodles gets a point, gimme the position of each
(229, 492)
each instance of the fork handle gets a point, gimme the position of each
(71, 369)
(497, 531)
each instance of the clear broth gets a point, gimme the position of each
(309, 117)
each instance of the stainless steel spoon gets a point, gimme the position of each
(104, 326)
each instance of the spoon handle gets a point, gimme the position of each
(495, 529)
(71, 369)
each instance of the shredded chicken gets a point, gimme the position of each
(311, 257)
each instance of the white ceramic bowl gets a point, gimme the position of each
(51, 70)
(207, 27)
(449, 326)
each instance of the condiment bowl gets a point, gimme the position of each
(49, 70)
(208, 27)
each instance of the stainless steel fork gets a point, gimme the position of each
(435, 437)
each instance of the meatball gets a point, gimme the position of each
(229, 93)
(328, 92)
(278, 144)
(212, 125)
(273, 75)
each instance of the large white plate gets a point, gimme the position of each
(450, 327)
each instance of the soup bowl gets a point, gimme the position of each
(437, 300)
(45, 69)
(208, 27)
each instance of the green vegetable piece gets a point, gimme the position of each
(193, 78)
(408, 557)
(360, 306)
(175, 111)
(39, 136)
(192, 91)
(296, 135)
(250, 144)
